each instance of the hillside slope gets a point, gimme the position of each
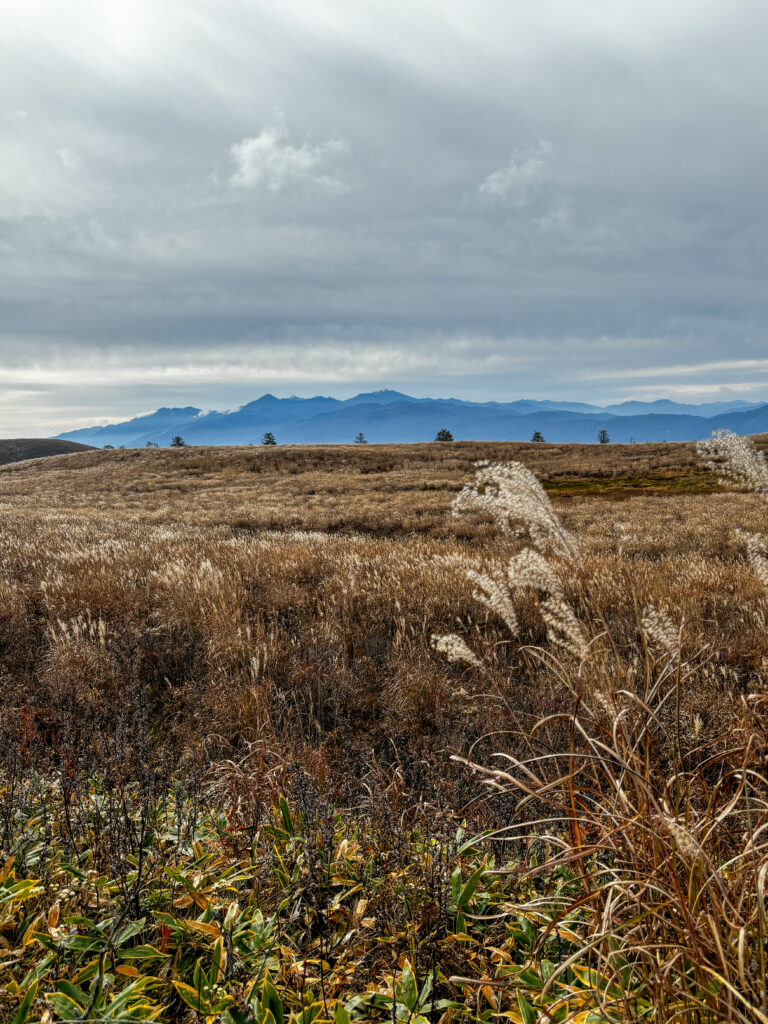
(18, 449)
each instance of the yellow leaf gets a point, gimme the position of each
(206, 929)
(490, 996)
(128, 971)
(6, 870)
(29, 934)
(53, 915)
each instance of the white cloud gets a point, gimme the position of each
(689, 369)
(69, 158)
(518, 180)
(270, 162)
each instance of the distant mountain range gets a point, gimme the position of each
(390, 416)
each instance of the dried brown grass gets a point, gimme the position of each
(288, 596)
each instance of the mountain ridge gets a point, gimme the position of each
(389, 416)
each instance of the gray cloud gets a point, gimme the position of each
(520, 177)
(164, 234)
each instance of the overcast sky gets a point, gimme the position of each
(204, 200)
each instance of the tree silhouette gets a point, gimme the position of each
(269, 438)
(537, 436)
(603, 437)
(361, 439)
(178, 442)
(443, 435)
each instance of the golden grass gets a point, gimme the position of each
(329, 569)
(372, 488)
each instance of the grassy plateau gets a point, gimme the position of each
(371, 733)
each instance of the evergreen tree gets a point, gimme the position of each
(178, 442)
(603, 437)
(269, 438)
(443, 435)
(537, 436)
(360, 439)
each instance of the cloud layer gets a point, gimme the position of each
(201, 201)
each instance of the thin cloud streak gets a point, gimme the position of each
(680, 370)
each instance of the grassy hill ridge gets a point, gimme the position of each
(19, 449)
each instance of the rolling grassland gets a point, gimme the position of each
(368, 733)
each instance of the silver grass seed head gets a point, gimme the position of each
(493, 592)
(456, 649)
(756, 553)
(531, 569)
(516, 501)
(661, 631)
(735, 459)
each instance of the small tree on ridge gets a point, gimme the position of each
(443, 435)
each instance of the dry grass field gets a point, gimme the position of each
(227, 789)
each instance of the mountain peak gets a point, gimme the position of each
(384, 396)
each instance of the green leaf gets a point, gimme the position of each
(128, 933)
(200, 980)
(310, 1013)
(218, 957)
(528, 930)
(83, 942)
(285, 811)
(528, 1013)
(22, 1013)
(469, 889)
(74, 992)
(65, 1008)
(71, 870)
(408, 991)
(36, 973)
(191, 997)
(122, 999)
(270, 1000)
(342, 1016)
(470, 844)
(141, 953)
(233, 1016)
